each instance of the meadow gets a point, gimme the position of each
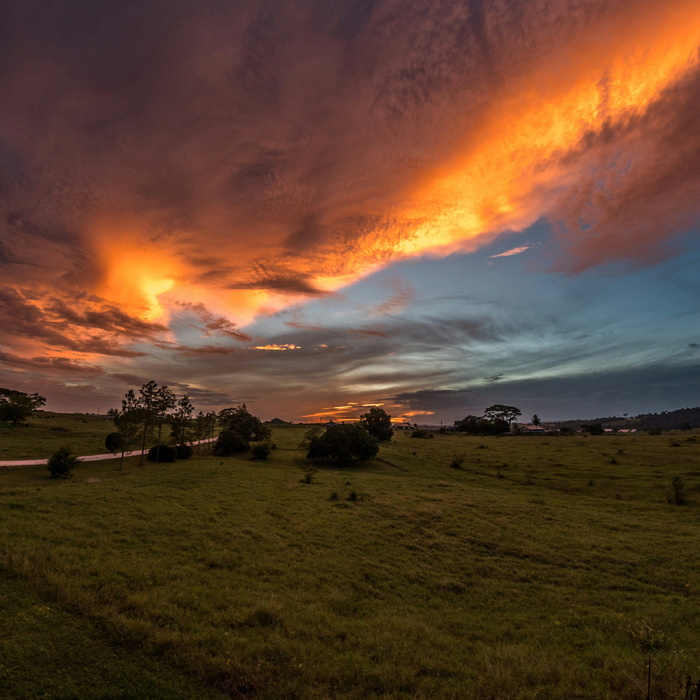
(542, 567)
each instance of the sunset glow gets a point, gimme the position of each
(424, 209)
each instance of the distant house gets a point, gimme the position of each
(529, 429)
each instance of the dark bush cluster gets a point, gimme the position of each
(113, 442)
(344, 443)
(230, 442)
(260, 450)
(183, 451)
(162, 453)
(422, 433)
(474, 425)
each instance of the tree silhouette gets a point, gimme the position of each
(377, 422)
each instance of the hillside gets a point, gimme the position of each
(680, 419)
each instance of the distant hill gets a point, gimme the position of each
(666, 420)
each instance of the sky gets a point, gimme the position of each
(314, 207)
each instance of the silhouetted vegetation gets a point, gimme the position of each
(62, 463)
(475, 425)
(260, 450)
(16, 406)
(377, 422)
(593, 428)
(422, 433)
(230, 442)
(343, 442)
(162, 453)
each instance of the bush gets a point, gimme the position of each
(229, 443)
(679, 495)
(260, 450)
(113, 442)
(457, 461)
(343, 442)
(309, 435)
(183, 451)
(62, 462)
(162, 453)
(422, 433)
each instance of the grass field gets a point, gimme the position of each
(45, 432)
(545, 567)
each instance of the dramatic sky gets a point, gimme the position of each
(313, 206)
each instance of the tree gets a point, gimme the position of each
(343, 442)
(474, 425)
(155, 402)
(62, 462)
(181, 426)
(16, 406)
(128, 421)
(500, 411)
(240, 420)
(535, 420)
(377, 422)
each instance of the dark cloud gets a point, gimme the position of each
(213, 324)
(203, 350)
(282, 285)
(51, 365)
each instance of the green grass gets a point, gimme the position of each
(45, 432)
(538, 568)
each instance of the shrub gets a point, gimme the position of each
(183, 451)
(162, 453)
(260, 450)
(62, 462)
(678, 496)
(229, 443)
(343, 442)
(309, 435)
(113, 442)
(422, 433)
(457, 461)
